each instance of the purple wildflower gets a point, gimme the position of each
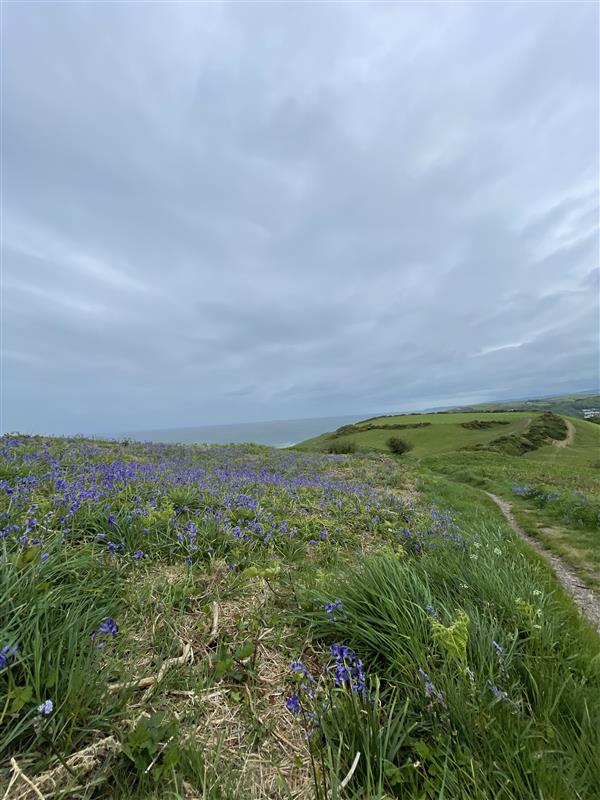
(108, 627)
(498, 648)
(331, 608)
(6, 653)
(46, 708)
(293, 704)
(430, 688)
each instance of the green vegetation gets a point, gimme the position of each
(482, 424)
(361, 427)
(241, 622)
(566, 404)
(545, 428)
(427, 433)
(342, 446)
(535, 451)
(398, 446)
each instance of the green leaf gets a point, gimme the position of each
(20, 696)
(422, 749)
(245, 651)
(251, 572)
(393, 774)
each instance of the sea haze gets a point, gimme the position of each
(279, 433)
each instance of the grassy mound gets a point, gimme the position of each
(546, 428)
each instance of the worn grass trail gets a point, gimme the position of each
(584, 598)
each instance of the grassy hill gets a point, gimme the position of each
(426, 433)
(554, 485)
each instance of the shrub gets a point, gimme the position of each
(398, 445)
(342, 447)
(482, 424)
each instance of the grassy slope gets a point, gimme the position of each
(218, 728)
(445, 434)
(567, 525)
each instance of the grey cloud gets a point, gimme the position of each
(219, 213)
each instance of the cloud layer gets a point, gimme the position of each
(222, 213)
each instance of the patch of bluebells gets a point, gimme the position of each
(524, 491)
(344, 670)
(348, 670)
(246, 495)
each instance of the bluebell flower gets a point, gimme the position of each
(46, 708)
(430, 688)
(348, 668)
(331, 608)
(6, 653)
(108, 627)
(138, 554)
(498, 693)
(498, 648)
(293, 704)
(44, 557)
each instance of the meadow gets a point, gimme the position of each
(241, 622)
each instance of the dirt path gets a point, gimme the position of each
(583, 597)
(570, 437)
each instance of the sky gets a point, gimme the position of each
(218, 213)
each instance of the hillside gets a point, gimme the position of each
(553, 483)
(242, 622)
(425, 433)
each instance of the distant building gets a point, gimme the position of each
(588, 413)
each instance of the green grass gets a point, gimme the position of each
(429, 578)
(568, 523)
(444, 434)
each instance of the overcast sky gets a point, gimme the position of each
(224, 213)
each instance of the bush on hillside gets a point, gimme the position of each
(481, 424)
(342, 447)
(398, 445)
(546, 428)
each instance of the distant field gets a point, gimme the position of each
(445, 432)
(571, 405)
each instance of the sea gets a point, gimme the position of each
(279, 433)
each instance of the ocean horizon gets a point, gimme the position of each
(275, 433)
